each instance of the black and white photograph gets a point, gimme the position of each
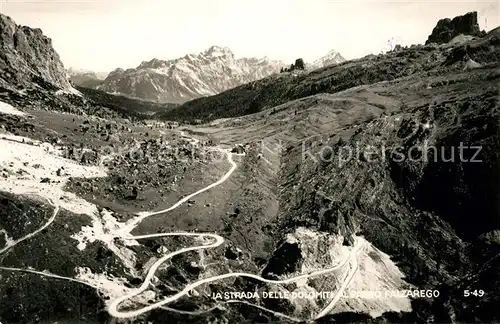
(249, 161)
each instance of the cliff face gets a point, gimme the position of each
(27, 57)
(446, 29)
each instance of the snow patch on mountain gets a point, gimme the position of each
(71, 90)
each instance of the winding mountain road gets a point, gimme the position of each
(217, 240)
(142, 215)
(113, 307)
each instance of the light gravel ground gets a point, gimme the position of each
(377, 276)
(376, 273)
(5, 108)
(25, 163)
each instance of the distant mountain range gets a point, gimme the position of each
(192, 76)
(86, 78)
(27, 58)
(189, 77)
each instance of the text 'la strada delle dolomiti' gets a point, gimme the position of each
(365, 294)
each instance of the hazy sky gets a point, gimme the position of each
(102, 35)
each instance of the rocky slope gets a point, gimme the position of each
(383, 161)
(192, 76)
(396, 176)
(407, 186)
(27, 57)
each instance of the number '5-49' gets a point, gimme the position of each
(475, 293)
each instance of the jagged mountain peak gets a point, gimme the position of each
(213, 52)
(86, 78)
(446, 29)
(332, 53)
(217, 51)
(72, 71)
(154, 63)
(332, 57)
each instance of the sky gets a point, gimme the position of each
(101, 35)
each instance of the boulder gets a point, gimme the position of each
(238, 149)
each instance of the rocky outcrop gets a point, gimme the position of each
(27, 57)
(446, 29)
(298, 65)
(192, 76)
